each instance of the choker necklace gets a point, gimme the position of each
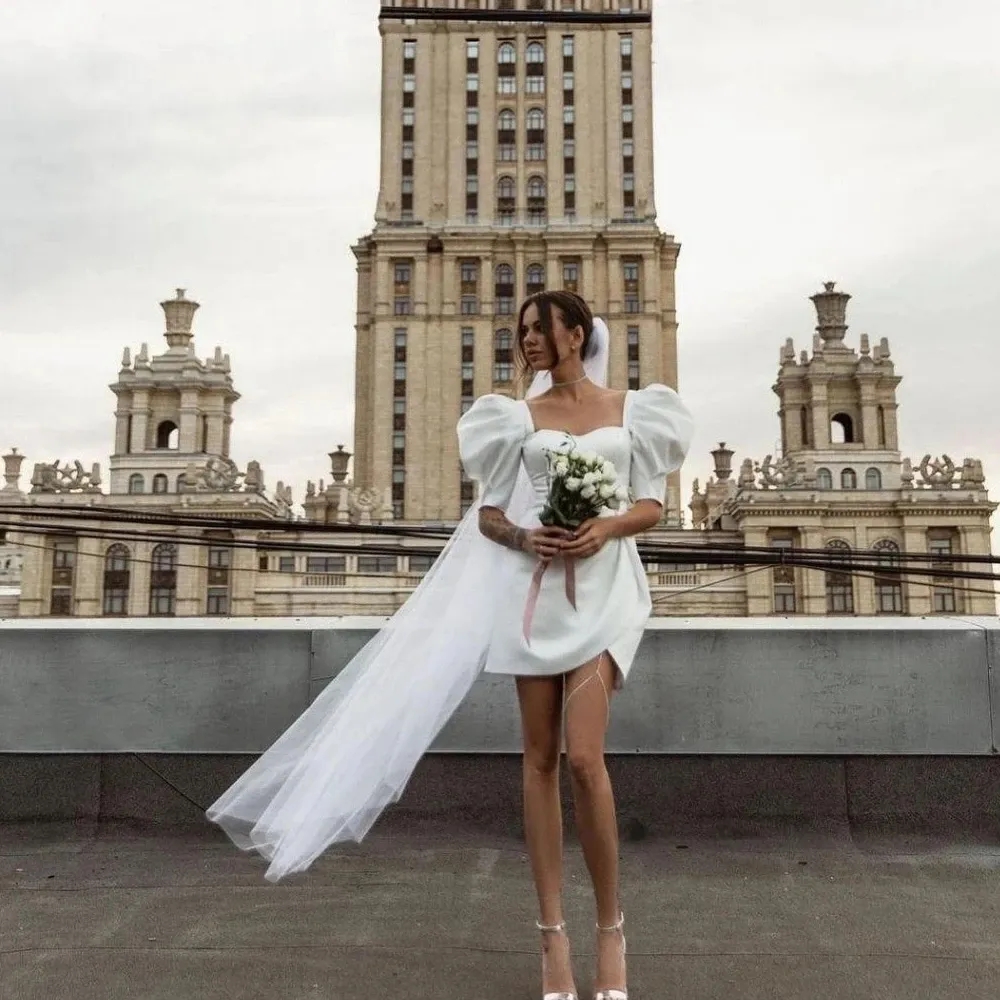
(573, 382)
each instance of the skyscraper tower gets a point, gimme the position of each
(517, 155)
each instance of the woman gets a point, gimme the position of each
(574, 653)
(330, 775)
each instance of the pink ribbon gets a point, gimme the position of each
(535, 589)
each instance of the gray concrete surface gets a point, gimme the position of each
(108, 912)
(708, 685)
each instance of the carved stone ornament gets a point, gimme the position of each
(973, 477)
(66, 479)
(779, 474)
(748, 479)
(937, 472)
(217, 475)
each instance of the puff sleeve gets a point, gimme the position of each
(490, 436)
(660, 427)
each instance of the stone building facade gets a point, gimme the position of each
(840, 484)
(842, 487)
(517, 155)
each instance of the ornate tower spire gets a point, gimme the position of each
(180, 315)
(831, 313)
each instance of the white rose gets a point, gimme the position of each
(589, 457)
(608, 472)
(574, 454)
(573, 484)
(562, 467)
(588, 492)
(591, 479)
(621, 494)
(606, 491)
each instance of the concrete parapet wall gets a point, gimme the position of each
(699, 686)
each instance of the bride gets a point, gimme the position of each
(576, 603)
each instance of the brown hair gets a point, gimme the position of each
(574, 311)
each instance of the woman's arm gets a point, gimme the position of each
(494, 525)
(546, 543)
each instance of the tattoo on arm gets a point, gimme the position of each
(494, 525)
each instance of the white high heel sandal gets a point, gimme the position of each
(561, 929)
(613, 994)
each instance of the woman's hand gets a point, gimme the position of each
(546, 542)
(589, 538)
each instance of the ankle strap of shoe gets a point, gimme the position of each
(614, 927)
(561, 926)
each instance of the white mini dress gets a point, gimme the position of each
(613, 603)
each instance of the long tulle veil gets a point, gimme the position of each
(328, 777)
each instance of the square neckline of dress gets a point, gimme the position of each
(604, 427)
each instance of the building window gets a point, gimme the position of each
(783, 577)
(286, 564)
(536, 200)
(469, 287)
(535, 149)
(377, 564)
(824, 479)
(160, 483)
(633, 357)
(63, 573)
(571, 275)
(506, 201)
(507, 136)
(506, 69)
(881, 427)
(116, 581)
(503, 356)
(420, 564)
(888, 584)
(534, 82)
(136, 484)
(630, 277)
(326, 564)
(848, 479)
(839, 585)
(163, 580)
(873, 479)
(805, 430)
(219, 563)
(535, 279)
(941, 546)
(467, 493)
(402, 272)
(504, 291)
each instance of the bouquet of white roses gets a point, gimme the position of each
(581, 485)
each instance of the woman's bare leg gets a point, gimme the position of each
(587, 709)
(541, 723)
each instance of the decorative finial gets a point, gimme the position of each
(180, 316)
(831, 312)
(723, 462)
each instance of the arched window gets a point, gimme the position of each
(506, 200)
(535, 148)
(534, 74)
(160, 484)
(536, 279)
(503, 356)
(535, 53)
(841, 429)
(824, 479)
(848, 479)
(116, 580)
(873, 479)
(136, 484)
(805, 426)
(507, 136)
(504, 290)
(163, 580)
(167, 435)
(839, 585)
(889, 584)
(536, 200)
(506, 69)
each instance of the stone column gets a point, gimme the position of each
(140, 421)
(813, 580)
(916, 590)
(187, 441)
(760, 585)
(820, 407)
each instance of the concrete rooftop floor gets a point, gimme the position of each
(101, 912)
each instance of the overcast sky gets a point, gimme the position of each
(232, 148)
